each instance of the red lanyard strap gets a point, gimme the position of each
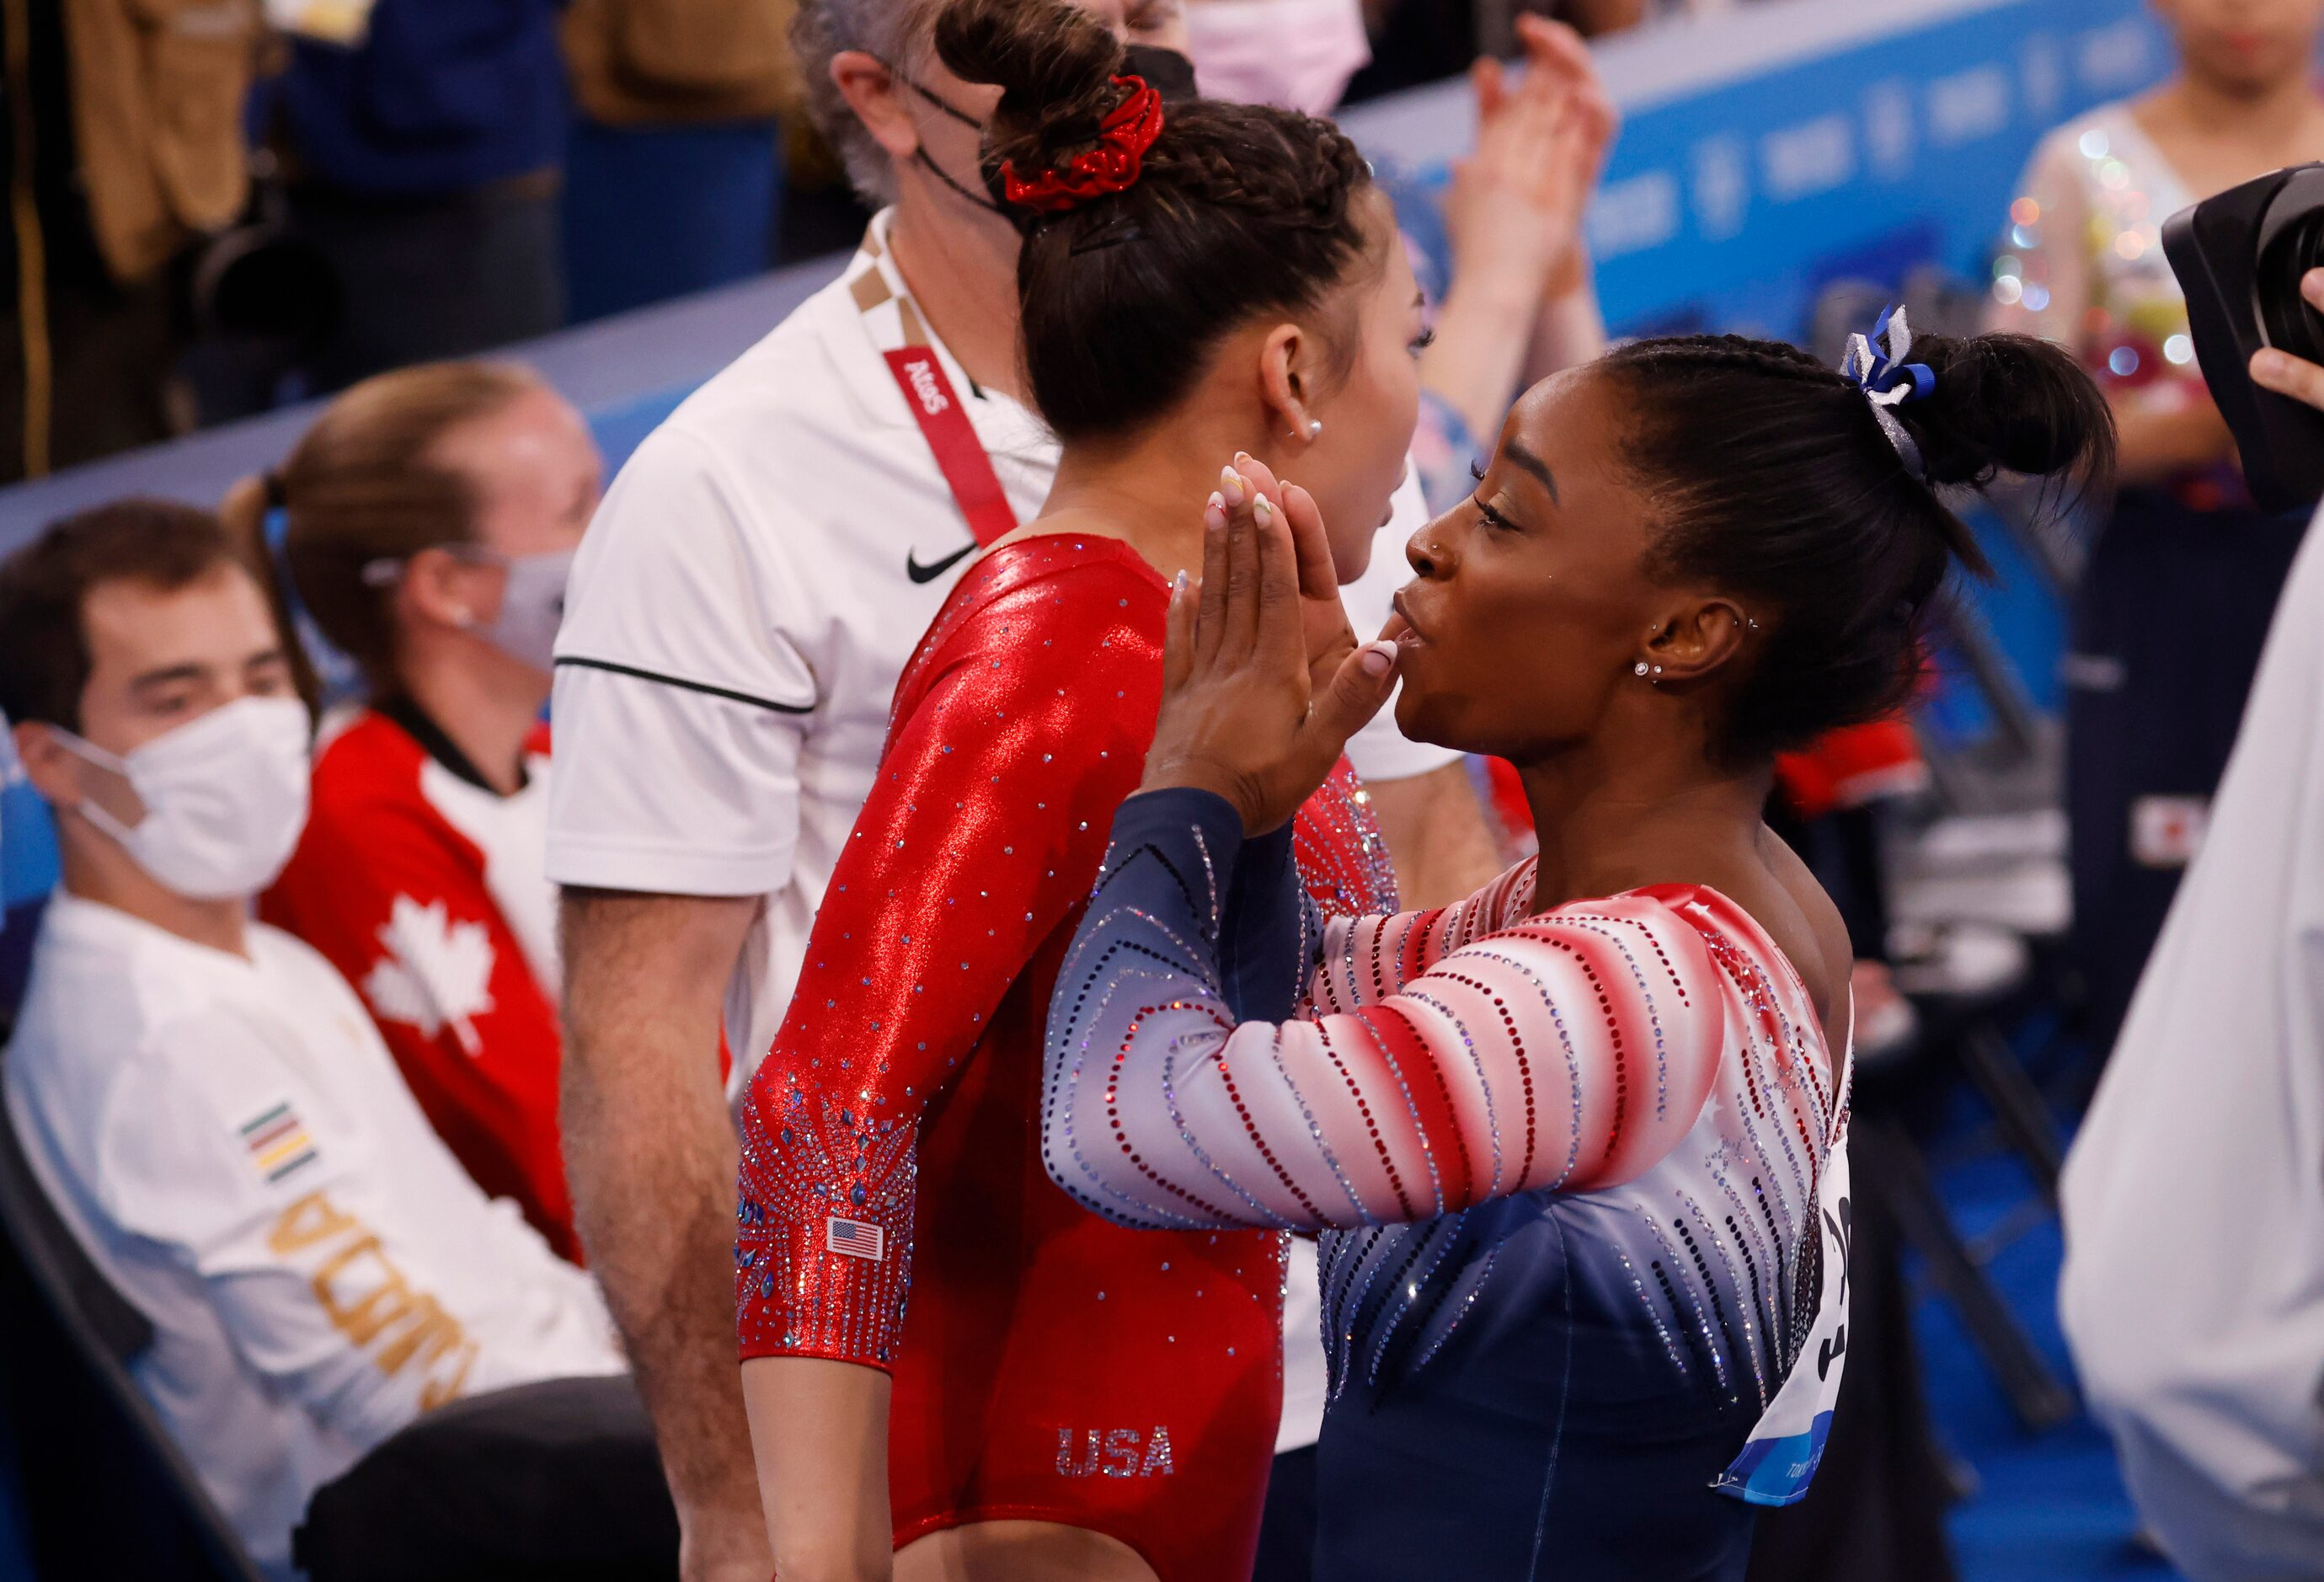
(952, 438)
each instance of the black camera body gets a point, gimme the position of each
(2239, 257)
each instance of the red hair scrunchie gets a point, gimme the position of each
(1125, 134)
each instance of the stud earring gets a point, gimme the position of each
(1638, 669)
(1314, 427)
(1658, 670)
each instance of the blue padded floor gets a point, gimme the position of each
(2049, 1508)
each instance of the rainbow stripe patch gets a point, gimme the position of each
(278, 1142)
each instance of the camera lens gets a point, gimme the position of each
(2292, 325)
(267, 283)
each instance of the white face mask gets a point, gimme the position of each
(533, 599)
(1298, 54)
(224, 797)
(532, 604)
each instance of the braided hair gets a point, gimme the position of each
(1772, 481)
(1237, 210)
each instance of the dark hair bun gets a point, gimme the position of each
(1054, 65)
(2005, 403)
(1235, 210)
(1774, 481)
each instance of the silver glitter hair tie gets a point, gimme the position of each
(1887, 380)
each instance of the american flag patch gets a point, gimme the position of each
(855, 1238)
(278, 1142)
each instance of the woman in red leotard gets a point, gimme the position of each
(1059, 1396)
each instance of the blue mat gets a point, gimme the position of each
(2048, 1507)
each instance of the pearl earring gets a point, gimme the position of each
(1314, 427)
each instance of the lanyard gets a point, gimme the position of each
(952, 438)
(934, 405)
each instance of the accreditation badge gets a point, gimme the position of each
(1780, 1457)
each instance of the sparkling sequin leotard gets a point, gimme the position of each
(1567, 1166)
(1050, 1366)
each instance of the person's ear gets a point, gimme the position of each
(1287, 358)
(1693, 641)
(51, 768)
(877, 97)
(65, 779)
(438, 588)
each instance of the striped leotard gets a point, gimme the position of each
(1567, 1166)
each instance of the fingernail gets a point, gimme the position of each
(1230, 484)
(1378, 659)
(1178, 584)
(1264, 510)
(1241, 458)
(1214, 513)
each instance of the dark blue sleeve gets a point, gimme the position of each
(1271, 932)
(1179, 857)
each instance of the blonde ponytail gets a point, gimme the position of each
(360, 488)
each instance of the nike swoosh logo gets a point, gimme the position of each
(929, 573)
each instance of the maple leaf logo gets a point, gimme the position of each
(436, 974)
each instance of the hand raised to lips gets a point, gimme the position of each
(1263, 682)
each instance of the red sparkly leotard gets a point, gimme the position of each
(1050, 1366)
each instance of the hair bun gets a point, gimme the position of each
(1054, 65)
(2006, 404)
(1145, 243)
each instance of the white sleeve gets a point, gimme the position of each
(223, 1158)
(1380, 751)
(2192, 1294)
(682, 697)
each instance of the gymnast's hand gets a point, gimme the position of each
(1262, 681)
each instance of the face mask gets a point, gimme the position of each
(1171, 73)
(225, 796)
(532, 604)
(1298, 54)
(920, 154)
(533, 599)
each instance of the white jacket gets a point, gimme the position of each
(232, 1144)
(2193, 1292)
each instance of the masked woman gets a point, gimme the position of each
(1577, 1142)
(429, 518)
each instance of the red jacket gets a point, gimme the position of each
(425, 888)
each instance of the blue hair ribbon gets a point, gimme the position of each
(1887, 380)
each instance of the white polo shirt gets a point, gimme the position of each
(745, 602)
(232, 1144)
